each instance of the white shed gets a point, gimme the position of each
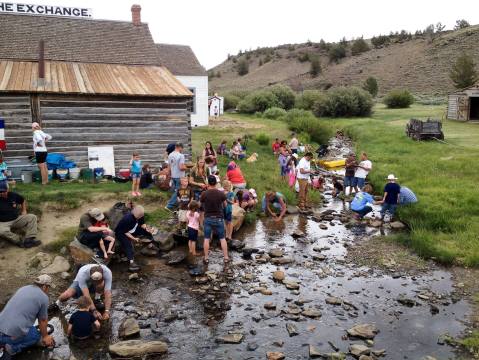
(215, 105)
(464, 105)
(182, 62)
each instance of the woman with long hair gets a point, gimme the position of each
(209, 154)
(40, 149)
(198, 178)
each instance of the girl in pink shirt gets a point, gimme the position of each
(193, 217)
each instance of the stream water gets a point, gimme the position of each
(192, 313)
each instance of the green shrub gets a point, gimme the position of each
(243, 67)
(336, 53)
(262, 139)
(303, 57)
(231, 101)
(344, 102)
(274, 113)
(371, 86)
(307, 99)
(315, 66)
(463, 73)
(359, 46)
(398, 99)
(258, 101)
(380, 41)
(285, 96)
(304, 122)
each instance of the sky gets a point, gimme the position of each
(215, 29)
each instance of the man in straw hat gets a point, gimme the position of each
(391, 197)
(17, 319)
(92, 281)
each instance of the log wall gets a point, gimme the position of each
(145, 125)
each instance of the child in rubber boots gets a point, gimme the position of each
(135, 169)
(82, 323)
(193, 217)
(228, 211)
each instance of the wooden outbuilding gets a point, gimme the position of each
(95, 83)
(464, 105)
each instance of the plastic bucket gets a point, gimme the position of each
(86, 174)
(124, 173)
(27, 176)
(62, 174)
(37, 176)
(74, 173)
(98, 172)
(50, 175)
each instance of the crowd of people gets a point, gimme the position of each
(202, 199)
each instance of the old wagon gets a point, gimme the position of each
(424, 130)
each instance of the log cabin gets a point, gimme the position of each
(89, 83)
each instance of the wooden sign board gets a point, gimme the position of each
(30, 9)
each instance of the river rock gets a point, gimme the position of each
(291, 285)
(236, 244)
(281, 261)
(270, 306)
(138, 348)
(319, 257)
(230, 339)
(276, 252)
(274, 355)
(292, 330)
(403, 300)
(379, 352)
(363, 331)
(333, 300)
(397, 225)
(252, 346)
(40, 260)
(292, 210)
(334, 356)
(265, 291)
(80, 253)
(376, 223)
(278, 275)
(149, 250)
(247, 252)
(323, 227)
(314, 352)
(133, 277)
(358, 349)
(65, 275)
(59, 265)
(311, 313)
(366, 357)
(164, 240)
(297, 234)
(129, 327)
(175, 257)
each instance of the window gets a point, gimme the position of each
(192, 105)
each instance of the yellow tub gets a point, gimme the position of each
(329, 164)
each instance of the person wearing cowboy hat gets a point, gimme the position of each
(16, 226)
(92, 281)
(391, 196)
(94, 232)
(17, 319)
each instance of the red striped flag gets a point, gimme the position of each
(3, 144)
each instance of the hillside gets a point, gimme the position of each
(417, 64)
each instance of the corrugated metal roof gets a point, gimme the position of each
(83, 78)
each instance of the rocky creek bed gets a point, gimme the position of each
(310, 287)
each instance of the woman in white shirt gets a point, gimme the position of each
(40, 149)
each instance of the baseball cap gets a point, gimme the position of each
(392, 177)
(253, 192)
(295, 156)
(96, 214)
(212, 180)
(96, 276)
(44, 280)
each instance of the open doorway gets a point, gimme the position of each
(474, 108)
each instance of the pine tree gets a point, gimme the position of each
(371, 86)
(315, 66)
(463, 73)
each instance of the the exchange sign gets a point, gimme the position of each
(29, 9)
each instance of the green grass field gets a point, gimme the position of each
(445, 223)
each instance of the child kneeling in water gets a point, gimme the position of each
(82, 322)
(193, 217)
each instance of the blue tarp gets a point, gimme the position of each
(59, 161)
